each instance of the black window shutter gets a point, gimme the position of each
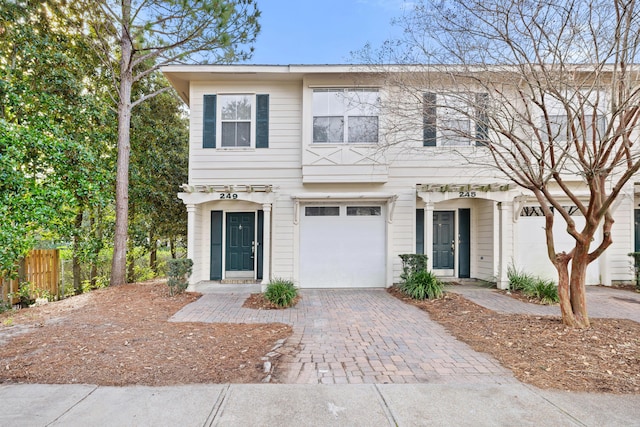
(420, 231)
(216, 246)
(429, 119)
(260, 251)
(262, 121)
(209, 122)
(482, 120)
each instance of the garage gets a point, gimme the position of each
(531, 245)
(342, 246)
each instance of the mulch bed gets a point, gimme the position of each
(121, 336)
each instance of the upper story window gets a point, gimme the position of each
(345, 115)
(559, 127)
(235, 120)
(454, 120)
(578, 114)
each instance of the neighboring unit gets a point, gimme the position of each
(296, 172)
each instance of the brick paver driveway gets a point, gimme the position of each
(356, 336)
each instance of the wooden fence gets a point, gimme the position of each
(41, 268)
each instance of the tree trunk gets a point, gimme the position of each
(131, 246)
(119, 262)
(76, 268)
(172, 248)
(131, 263)
(571, 287)
(93, 272)
(562, 265)
(153, 252)
(577, 285)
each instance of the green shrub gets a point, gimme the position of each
(281, 292)
(25, 294)
(422, 284)
(178, 272)
(519, 280)
(546, 291)
(412, 263)
(543, 290)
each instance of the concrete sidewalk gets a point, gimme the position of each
(312, 405)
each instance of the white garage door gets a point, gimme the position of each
(342, 246)
(531, 245)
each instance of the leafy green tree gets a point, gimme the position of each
(159, 161)
(138, 37)
(52, 127)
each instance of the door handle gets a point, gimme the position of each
(453, 245)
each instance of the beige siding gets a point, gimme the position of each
(280, 161)
(619, 263)
(198, 259)
(484, 256)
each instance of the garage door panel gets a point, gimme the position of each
(343, 251)
(532, 247)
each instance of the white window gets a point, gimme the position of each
(345, 115)
(560, 132)
(235, 120)
(364, 210)
(455, 123)
(322, 211)
(455, 119)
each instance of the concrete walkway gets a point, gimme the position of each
(311, 405)
(356, 336)
(602, 302)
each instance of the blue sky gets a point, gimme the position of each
(321, 31)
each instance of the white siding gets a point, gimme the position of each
(395, 170)
(619, 264)
(484, 236)
(280, 161)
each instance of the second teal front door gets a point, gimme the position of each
(240, 241)
(443, 243)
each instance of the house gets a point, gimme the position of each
(292, 174)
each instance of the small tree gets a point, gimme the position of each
(553, 89)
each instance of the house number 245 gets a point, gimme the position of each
(467, 194)
(228, 196)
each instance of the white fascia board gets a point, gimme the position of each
(343, 196)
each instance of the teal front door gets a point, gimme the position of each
(637, 230)
(443, 240)
(464, 243)
(240, 241)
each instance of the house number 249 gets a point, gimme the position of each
(467, 194)
(228, 196)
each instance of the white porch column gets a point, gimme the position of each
(191, 237)
(266, 246)
(505, 243)
(428, 234)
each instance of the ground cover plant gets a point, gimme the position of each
(416, 281)
(280, 293)
(541, 290)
